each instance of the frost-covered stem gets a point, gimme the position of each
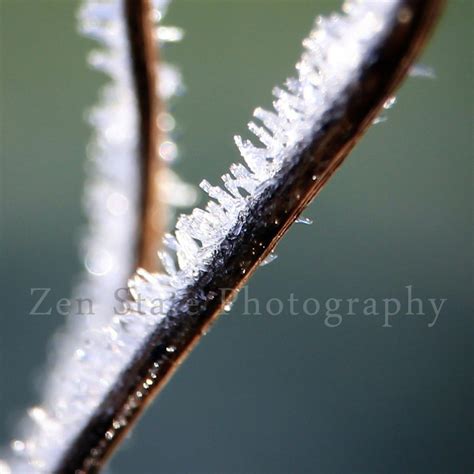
(255, 234)
(144, 58)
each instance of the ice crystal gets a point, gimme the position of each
(333, 54)
(304, 220)
(271, 257)
(423, 71)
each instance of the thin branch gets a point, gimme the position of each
(255, 235)
(144, 58)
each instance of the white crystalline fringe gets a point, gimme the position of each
(333, 53)
(73, 386)
(331, 60)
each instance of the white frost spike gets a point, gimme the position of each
(244, 177)
(286, 112)
(170, 242)
(187, 250)
(223, 198)
(330, 63)
(291, 100)
(389, 103)
(218, 213)
(262, 134)
(379, 119)
(293, 85)
(304, 220)
(170, 34)
(254, 157)
(145, 275)
(271, 257)
(232, 186)
(422, 71)
(269, 119)
(200, 224)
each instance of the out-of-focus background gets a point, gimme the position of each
(264, 394)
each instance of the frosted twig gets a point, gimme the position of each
(352, 64)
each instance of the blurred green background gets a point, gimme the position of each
(267, 394)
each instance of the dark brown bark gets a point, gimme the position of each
(144, 59)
